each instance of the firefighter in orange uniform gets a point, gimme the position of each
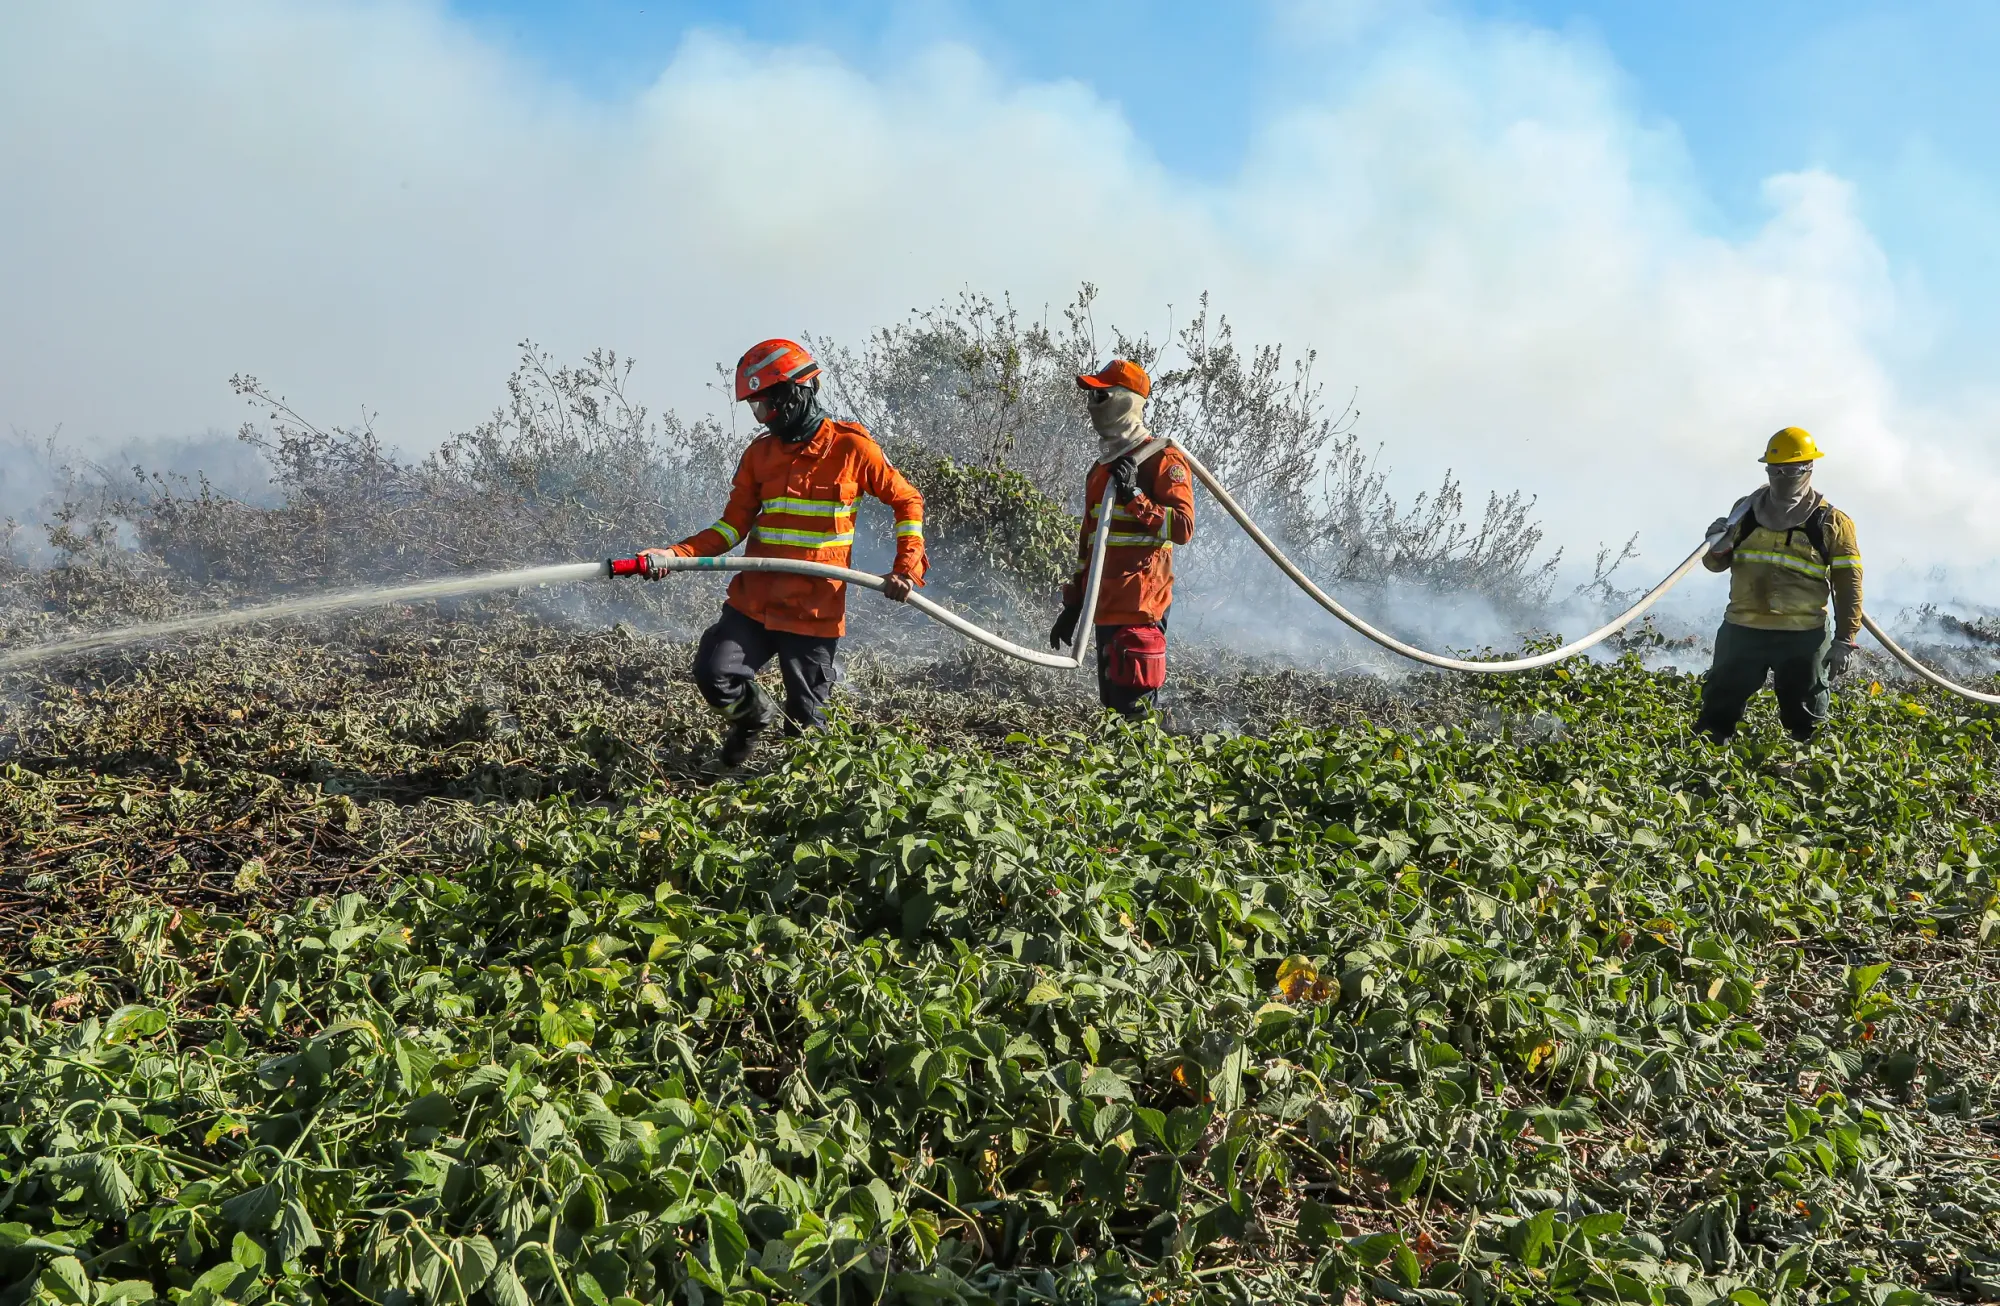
(1154, 511)
(796, 489)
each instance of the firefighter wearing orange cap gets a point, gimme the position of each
(795, 494)
(1154, 494)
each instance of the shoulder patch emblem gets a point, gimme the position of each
(1177, 473)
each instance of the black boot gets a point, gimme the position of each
(747, 724)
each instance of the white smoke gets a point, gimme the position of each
(367, 204)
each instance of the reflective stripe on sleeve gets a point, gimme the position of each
(1846, 562)
(727, 532)
(910, 528)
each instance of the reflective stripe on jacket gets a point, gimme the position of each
(1780, 580)
(1138, 581)
(798, 501)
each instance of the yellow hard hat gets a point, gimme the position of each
(1791, 445)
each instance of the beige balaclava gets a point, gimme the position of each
(1787, 499)
(1120, 421)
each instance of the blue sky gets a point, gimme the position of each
(1899, 98)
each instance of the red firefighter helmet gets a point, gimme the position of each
(769, 362)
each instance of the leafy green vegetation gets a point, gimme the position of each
(993, 523)
(1530, 998)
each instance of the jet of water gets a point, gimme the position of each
(305, 607)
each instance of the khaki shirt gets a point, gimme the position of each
(1779, 581)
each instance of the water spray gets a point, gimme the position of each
(376, 597)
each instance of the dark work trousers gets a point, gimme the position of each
(1123, 699)
(1793, 660)
(735, 649)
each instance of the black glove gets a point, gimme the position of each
(1836, 657)
(1720, 526)
(1125, 479)
(1064, 631)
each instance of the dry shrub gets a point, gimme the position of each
(976, 402)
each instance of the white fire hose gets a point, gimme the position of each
(936, 611)
(1569, 650)
(1411, 651)
(945, 616)
(1902, 655)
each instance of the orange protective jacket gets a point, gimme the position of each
(1138, 580)
(797, 501)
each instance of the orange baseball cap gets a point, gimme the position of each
(1119, 372)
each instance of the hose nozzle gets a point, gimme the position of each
(633, 566)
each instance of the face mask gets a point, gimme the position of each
(794, 411)
(1118, 416)
(1790, 481)
(1787, 500)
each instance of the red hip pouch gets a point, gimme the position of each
(1137, 657)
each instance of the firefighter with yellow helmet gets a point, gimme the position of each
(1787, 551)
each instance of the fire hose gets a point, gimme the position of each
(1569, 650)
(1902, 655)
(937, 612)
(644, 566)
(1505, 666)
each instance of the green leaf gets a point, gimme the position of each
(64, 1279)
(1371, 1249)
(1899, 1069)
(1318, 1225)
(1405, 1188)
(255, 1209)
(432, 1109)
(1105, 1082)
(1860, 979)
(482, 1081)
(728, 1244)
(1407, 1267)
(1602, 1226)
(1184, 1128)
(133, 1022)
(504, 1287)
(111, 1189)
(295, 1233)
(475, 1259)
(1529, 1239)
(1273, 1017)
(219, 1279)
(541, 1129)
(247, 1252)
(885, 1201)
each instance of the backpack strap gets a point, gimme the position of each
(1814, 526)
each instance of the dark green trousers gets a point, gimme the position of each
(1793, 660)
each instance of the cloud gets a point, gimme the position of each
(365, 204)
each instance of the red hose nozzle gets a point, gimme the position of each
(634, 566)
